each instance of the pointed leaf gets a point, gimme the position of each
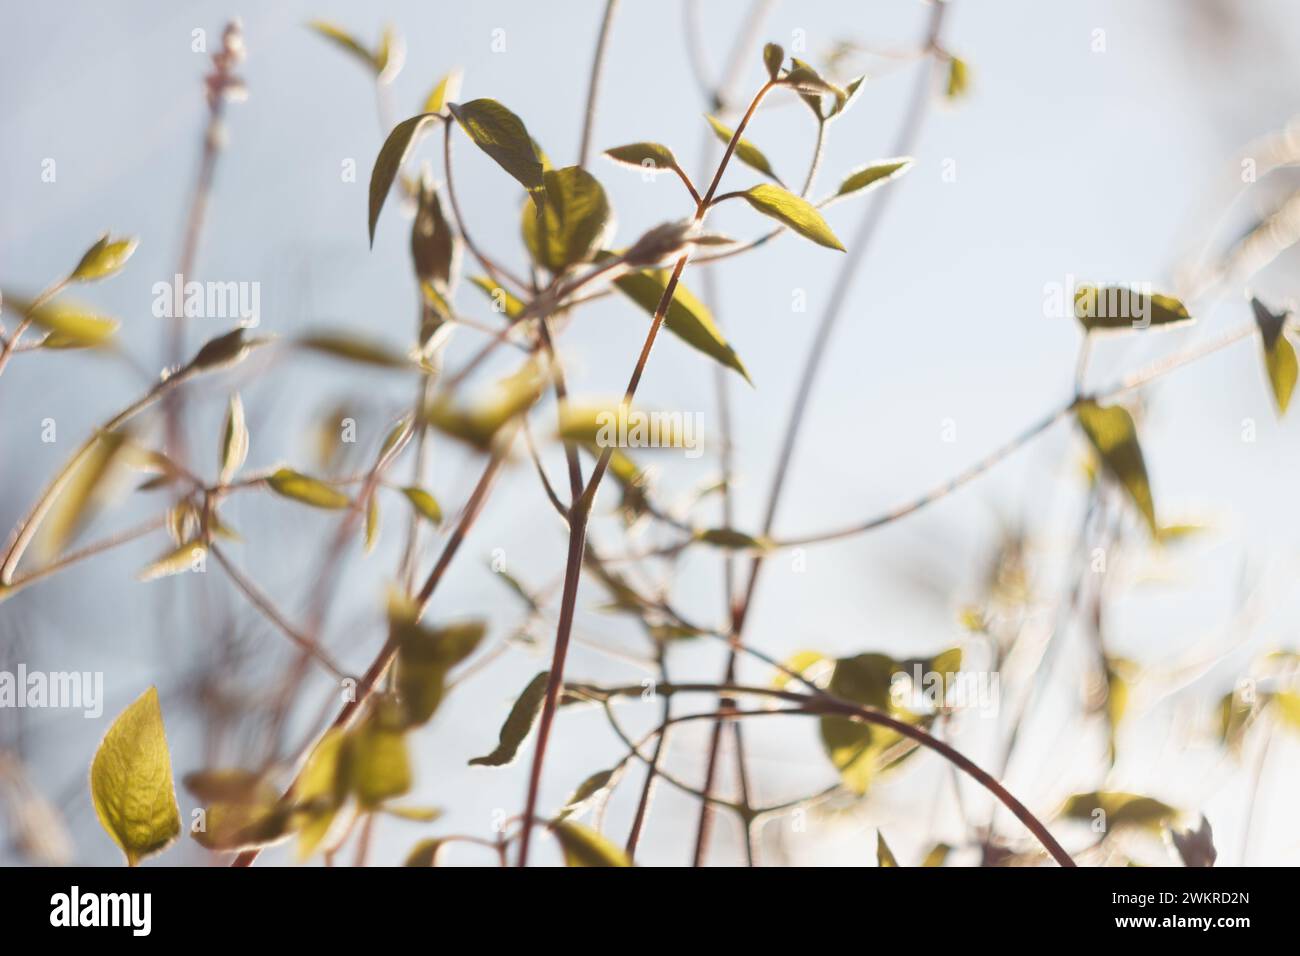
(884, 855)
(958, 78)
(378, 762)
(873, 175)
(69, 325)
(424, 503)
(321, 790)
(518, 724)
(391, 156)
(105, 258)
(583, 846)
(794, 211)
(82, 494)
(733, 540)
(502, 135)
(1279, 354)
(234, 440)
(310, 491)
(594, 788)
(654, 157)
(177, 561)
(131, 781)
(448, 88)
(345, 41)
(746, 152)
(435, 249)
(424, 657)
(1117, 308)
(502, 299)
(1113, 434)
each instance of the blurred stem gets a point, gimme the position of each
(10, 344)
(593, 88)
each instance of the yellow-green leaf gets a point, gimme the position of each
(746, 152)
(347, 42)
(1115, 308)
(502, 299)
(937, 856)
(424, 657)
(573, 223)
(354, 348)
(688, 318)
(1113, 809)
(873, 175)
(321, 790)
(797, 213)
(177, 561)
(1287, 705)
(83, 493)
(958, 78)
(518, 724)
(234, 440)
(448, 88)
(69, 325)
(105, 258)
(583, 846)
(502, 135)
(310, 491)
(424, 503)
(1113, 434)
(425, 853)
(733, 540)
(589, 791)
(378, 762)
(855, 747)
(773, 57)
(1279, 354)
(372, 525)
(131, 781)
(884, 855)
(478, 424)
(652, 157)
(391, 156)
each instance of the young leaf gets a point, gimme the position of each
(502, 135)
(884, 855)
(958, 78)
(746, 152)
(853, 747)
(518, 724)
(424, 657)
(795, 212)
(1279, 354)
(652, 157)
(353, 348)
(345, 41)
(807, 80)
(378, 762)
(852, 89)
(1113, 434)
(1114, 809)
(310, 491)
(687, 318)
(478, 424)
(573, 222)
(448, 88)
(131, 781)
(873, 175)
(82, 494)
(177, 561)
(424, 503)
(435, 249)
(733, 540)
(69, 325)
(226, 349)
(583, 846)
(105, 258)
(589, 791)
(502, 299)
(234, 440)
(391, 156)
(321, 790)
(773, 57)
(1116, 308)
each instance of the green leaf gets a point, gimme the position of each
(773, 57)
(353, 348)
(310, 491)
(502, 299)
(1117, 308)
(733, 540)
(321, 790)
(434, 247)
(425, 853)
(389, 161)
(852, 90)
(1113, 434)
(424, 658)
(478, 424)
(855, 747)
(746, 152)
(518, 724)
(884, 855)
(131, 781)
(937, 856)
(589, 791)
(873, 174)
(69, 325)
(797, 213)
(105, 258)
(82, 495)
(378, 762)
(807, 80)
(502, 135)
(448, 88)
(652, 157)
(177, 561)
(583, 846)
(688, 318)
(345, 41)
(234, 440)
(573, 223)
(1279, 354)
(424, 503)
(1113, 809)
(958, 78)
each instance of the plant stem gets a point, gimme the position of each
(593, 89)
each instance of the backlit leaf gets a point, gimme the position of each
(873, 174)
(182, 559)
(583, 846)
(958, 78)
(594, 788)
(424, 658)
(131, 781)
(478, 423)
(1113, 434)
(372, 524)
(937, 856)
(83, 493)
(345, 41)
(321, 790)
(746, 152)
(310, 491)
(793, 211)
(391, 156)
(448, 88)
(424, 503)
(234, 440)
(1113, 809)
(654, 157)
(69, 325)
(502, 299)
(502, 135)
(425, 853)
(354, 348)
(1115, 308)
(223, 350)
(574, 221)
(105, 258)
(1279, 354)
(519, 723)
(378, 762)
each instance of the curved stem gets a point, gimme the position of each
(593, 89)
